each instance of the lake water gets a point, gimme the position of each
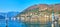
(11, 23)
(17, 23)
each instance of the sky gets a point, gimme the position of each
(20, 5)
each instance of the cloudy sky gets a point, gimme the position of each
(20, 5)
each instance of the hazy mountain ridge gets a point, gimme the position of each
(9, 14)
(2, 17)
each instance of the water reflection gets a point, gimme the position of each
(19, 23)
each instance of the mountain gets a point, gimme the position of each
(2, 17)
(39, 13)
(12, 14)
(9, 14)
(2, 13)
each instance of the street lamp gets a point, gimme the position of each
(6, 20)
(54, 19)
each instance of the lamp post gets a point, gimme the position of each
(6, 19)
(6, 23)
(54, 19)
